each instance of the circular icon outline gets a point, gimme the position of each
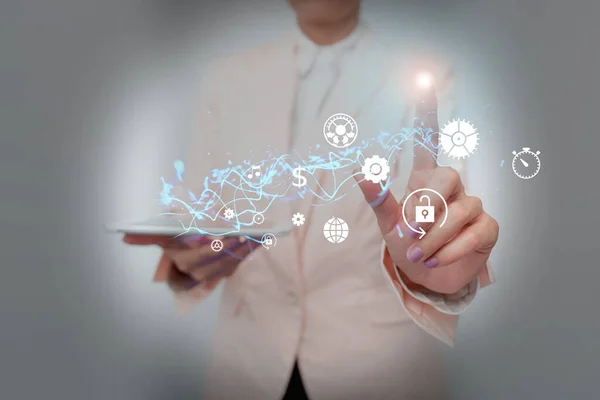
(422, 231)
(457, 142)
(258, 218)
(216, 245)
(330, 121)
(519, 155)
(264, 238)
(343, 224)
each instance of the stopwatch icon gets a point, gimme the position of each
(526, 164)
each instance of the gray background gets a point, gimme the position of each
(80, 147)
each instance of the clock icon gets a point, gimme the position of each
(526, 163)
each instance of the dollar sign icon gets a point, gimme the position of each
(301, 179)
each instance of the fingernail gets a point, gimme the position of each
(414, 254)
(431, 263)
(410, 233)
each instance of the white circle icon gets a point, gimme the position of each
(258, 218)
(526, 164)
(376, 169)
(424, 211)
(459, 138)
(216, 245)
(336, 230)
(340, 130)
(268, 241)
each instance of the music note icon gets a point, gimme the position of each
(257, 173)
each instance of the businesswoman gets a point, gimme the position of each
(308, 318)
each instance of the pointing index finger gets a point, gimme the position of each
(426, 131)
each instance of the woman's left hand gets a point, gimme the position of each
(446, 258)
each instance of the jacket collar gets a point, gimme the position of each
(306, 51)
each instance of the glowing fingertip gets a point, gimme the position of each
(424, 80)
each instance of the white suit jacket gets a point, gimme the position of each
(339, 309)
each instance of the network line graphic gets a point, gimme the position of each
(236, 187)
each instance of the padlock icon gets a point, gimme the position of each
(425, 213)
(268, 241)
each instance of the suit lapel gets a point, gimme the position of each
(280, 83)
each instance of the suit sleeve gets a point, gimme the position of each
(435, 313)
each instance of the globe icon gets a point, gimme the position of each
(336, 230)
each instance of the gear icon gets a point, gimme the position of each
(459, 138)
(228, 213)
(376, 169)
(340, 130)
(298, 219)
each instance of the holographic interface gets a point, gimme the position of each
(242, 195)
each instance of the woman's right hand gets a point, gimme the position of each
(189, 261)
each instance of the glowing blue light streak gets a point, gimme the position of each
(275, 181)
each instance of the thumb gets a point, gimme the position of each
(382, 201)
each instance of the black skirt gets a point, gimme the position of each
(295, 389)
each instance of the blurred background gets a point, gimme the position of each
(91, 95)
